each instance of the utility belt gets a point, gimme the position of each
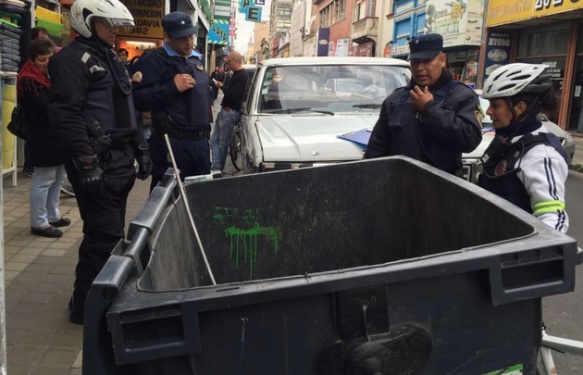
(191, 135)
(163, 124)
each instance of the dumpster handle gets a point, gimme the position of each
(183, 195)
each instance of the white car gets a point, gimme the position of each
(291, 120)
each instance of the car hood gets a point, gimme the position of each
(311, 138)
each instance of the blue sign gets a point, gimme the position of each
(497, 51)
(219, 32)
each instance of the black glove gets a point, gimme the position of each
(145, 165)
(90, 174)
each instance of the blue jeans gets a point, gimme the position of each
(44, 195)
(221, 136)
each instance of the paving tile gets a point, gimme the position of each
(50, 322)
(15, 266)
(24, 354)
(61, 270)
(38, 269)
(37, 297)
(19, 368)
(40, 337)
(10, 275)
(67, 339)
(32, 250)
(58, 357)
(27, 258)
(75, 371)
(53, 253)
(79, 360)
(51, 370)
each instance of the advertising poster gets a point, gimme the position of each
(458, 21)
(497, 51)
(342, 47)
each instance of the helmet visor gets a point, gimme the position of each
(126, 23)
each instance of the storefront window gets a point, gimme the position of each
(575, 122)
(547, 46)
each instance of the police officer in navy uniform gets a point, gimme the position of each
(434, 119)
(91, 108)
(172, 83)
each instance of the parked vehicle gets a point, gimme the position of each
(297, 108)
(472, 164)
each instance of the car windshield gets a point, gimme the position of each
(487, 121)
(331, 88)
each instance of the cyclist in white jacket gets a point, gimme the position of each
(525, 163)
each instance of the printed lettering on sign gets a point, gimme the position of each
(147, 19)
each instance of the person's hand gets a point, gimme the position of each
(420, 97)
(145, 165)
(184, 82)
(90, 174)
(219, 84)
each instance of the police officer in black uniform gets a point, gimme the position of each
(433, 119)
(91, 109)
(171, 83)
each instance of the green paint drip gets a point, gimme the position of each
(243, 242)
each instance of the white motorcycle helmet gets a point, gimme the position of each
(82, 11)
(517, 78)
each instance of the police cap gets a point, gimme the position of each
(178, 24)
(425, 47)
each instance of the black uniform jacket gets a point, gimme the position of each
(83, 91)
(437, 135)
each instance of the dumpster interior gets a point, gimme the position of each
(321, 219)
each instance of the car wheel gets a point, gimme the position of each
(235, 149)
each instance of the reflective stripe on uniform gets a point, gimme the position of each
(548, 206)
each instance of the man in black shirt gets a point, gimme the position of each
(229, 114)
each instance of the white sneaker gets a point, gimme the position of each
(216, 173)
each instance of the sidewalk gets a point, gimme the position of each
(39, 274)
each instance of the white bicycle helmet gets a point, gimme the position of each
(113, 11)
(517, 78)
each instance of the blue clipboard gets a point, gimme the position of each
(359, 137)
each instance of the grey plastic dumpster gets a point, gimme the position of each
(382, 266)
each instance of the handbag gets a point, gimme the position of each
(17, 124)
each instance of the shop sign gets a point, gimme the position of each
(323, 37)
(554, 70)
(219, 32)
(497, 51)
(547, 7)
(252, 9)
(501, 12)
(400, 50)
(147, 19)
(458, 21)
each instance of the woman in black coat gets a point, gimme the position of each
(45, 154)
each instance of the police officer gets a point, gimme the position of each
(525, 163)
(171, 83)
(433, 119)
(91, 108)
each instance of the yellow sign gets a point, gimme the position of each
(147, 18)
(501, 12)
(548, 7)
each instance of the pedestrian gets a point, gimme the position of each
(216, 76)
(123, 55)
(48, 161)
(28, 169)
(172, 84)
(525, 163)
(230, 112)
(434, 119)
(90, 104)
